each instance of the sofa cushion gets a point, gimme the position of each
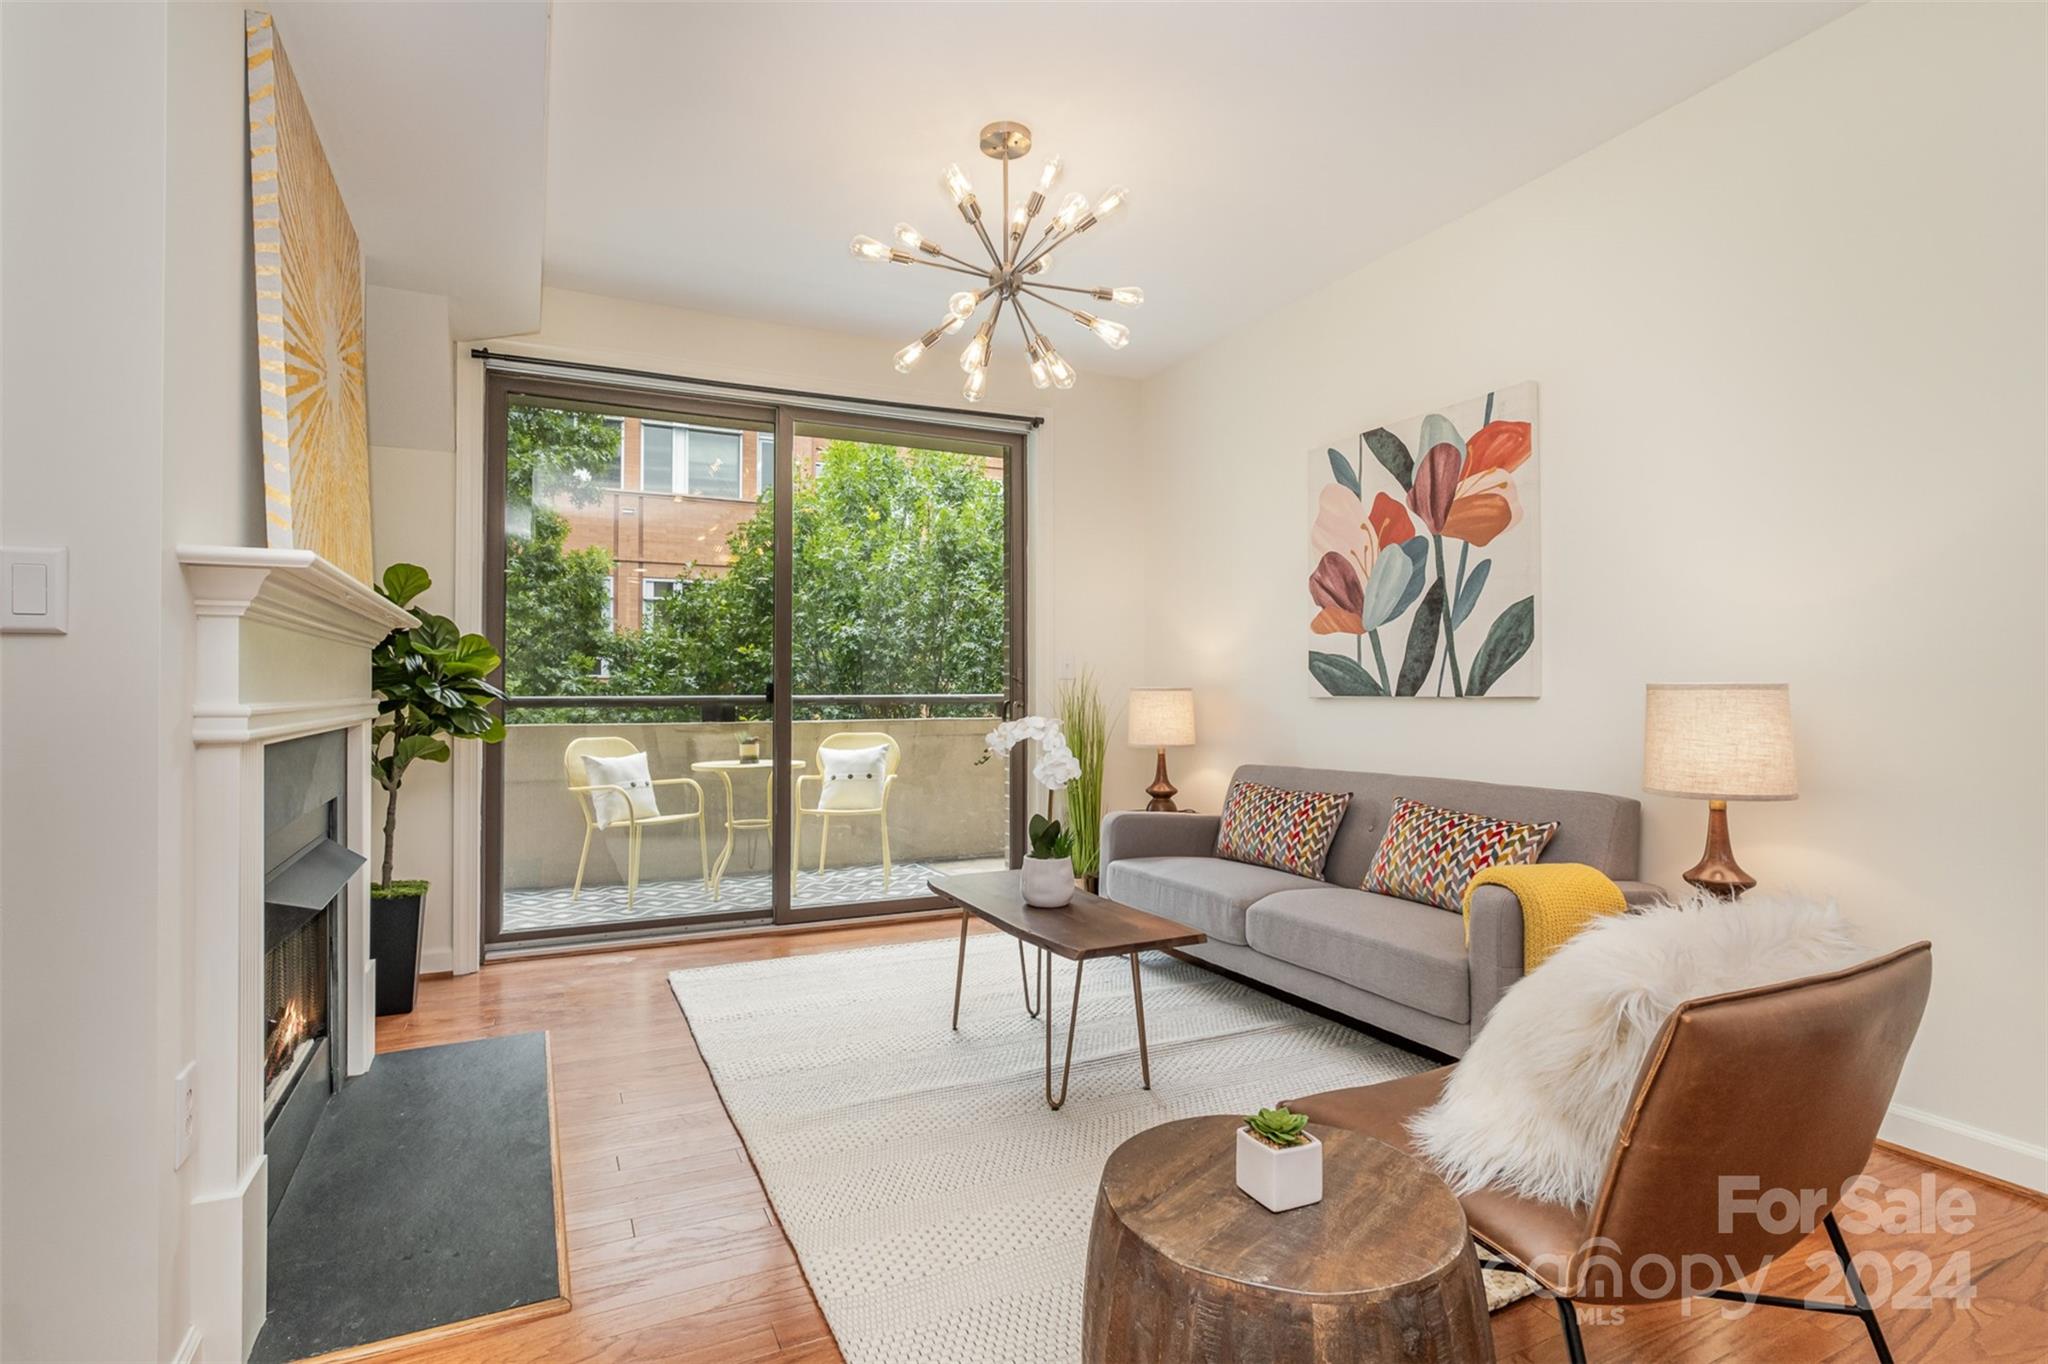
(1412, 954)
(1208, 893)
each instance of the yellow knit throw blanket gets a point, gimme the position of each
(1558, 899)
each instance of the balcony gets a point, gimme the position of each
(945, 813)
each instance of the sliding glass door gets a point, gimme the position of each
(750, 654)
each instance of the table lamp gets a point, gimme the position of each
(1161, 718)
(1717, 743)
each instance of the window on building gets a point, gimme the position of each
(611, 603)
(613, 475)
(764, 463)
(692, 460)
(654, 589)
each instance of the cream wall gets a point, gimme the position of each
(1085, 476)
(127, 307)
(1790, 337)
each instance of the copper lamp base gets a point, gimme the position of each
(1161, 790)
(1717, 871)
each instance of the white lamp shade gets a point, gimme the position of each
(1162, 717)
(1719, 742)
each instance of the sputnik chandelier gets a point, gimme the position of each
(1015, 272)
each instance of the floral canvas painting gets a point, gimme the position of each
(1423, 555)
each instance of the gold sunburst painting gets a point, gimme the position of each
(309, 324)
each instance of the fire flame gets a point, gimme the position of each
(284, 1038)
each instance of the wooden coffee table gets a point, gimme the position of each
(1088, 928)
(1184, 1266)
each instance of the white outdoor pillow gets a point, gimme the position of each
(853, 778)
(629, 772)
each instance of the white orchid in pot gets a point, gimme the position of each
(1049, 869)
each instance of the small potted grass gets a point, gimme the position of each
(1279, 1162)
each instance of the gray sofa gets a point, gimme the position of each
(1397, 965)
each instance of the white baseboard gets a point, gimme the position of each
(434, 959)
(188, 1348)
(1973, 1148)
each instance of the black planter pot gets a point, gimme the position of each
(395, 947)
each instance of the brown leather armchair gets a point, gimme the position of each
(1780, 1087)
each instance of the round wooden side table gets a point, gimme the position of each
(1184, 1266)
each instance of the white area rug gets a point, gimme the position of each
(939, 1208)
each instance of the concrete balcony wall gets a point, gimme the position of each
(943, 806)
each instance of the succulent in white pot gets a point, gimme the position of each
(1049, 870)
(1279, 1162)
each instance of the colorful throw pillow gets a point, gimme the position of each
(1285, 830)
(1429, 853)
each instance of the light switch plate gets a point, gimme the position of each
(35, 591)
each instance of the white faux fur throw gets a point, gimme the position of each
(1537, 1102)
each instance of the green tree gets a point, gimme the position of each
(555, 629)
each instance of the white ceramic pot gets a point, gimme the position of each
(1280, 1177)
(1048, 882)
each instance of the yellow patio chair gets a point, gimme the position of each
(611, 746)
(851, 739)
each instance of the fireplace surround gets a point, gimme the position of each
(280, 823)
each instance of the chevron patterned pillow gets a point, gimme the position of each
(1285, 830)
(1429, 853)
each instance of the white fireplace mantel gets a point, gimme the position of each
(281, 649)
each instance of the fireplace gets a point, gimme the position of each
(307, 867)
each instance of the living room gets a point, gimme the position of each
(519, 782)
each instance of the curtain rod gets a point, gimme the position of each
(712, 388)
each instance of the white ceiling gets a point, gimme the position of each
(434, 118)
(720, 156)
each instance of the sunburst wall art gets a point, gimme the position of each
(1423, 558)
(309, 323)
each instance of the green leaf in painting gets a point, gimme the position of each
(1512, 634)
(1468, 595)
(1393, 456)
(1437, 430)
(403, 582)
(1340, 676)
(1341, 468)
(1421, 642)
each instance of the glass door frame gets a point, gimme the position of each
(768, 413)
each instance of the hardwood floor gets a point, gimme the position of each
(675, 1253)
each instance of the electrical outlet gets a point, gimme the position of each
(184, 1113)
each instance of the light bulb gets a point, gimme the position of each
(956, 185)
(1040, 376)
(867, 248)
(1048, 176)
(977, 380)
(908, 237)
(951, 325)
(907, 358)
(1043, 263)
(976, 354)
(1115, 335)
(1130, 296)
(1018, 218)
(1062, 373)
(1111, 204)
(963, 304)
(1071, 212)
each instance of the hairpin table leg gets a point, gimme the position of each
(1138, 1002)
(960, 971)
(1073, 1021)
(1024, 974)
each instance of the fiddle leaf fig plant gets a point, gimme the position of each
(1278, 1127)
(433, 685)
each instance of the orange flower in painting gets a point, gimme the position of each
(1473, 500)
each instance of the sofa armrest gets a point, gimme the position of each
(1494, 954)
(1640, 893)
(1157, 833)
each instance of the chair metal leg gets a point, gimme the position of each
(632, 866)
(1574, 1343)
(887, 871)
(576, 892)
(824, 837)
(704, 856)
(1855, 1281)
